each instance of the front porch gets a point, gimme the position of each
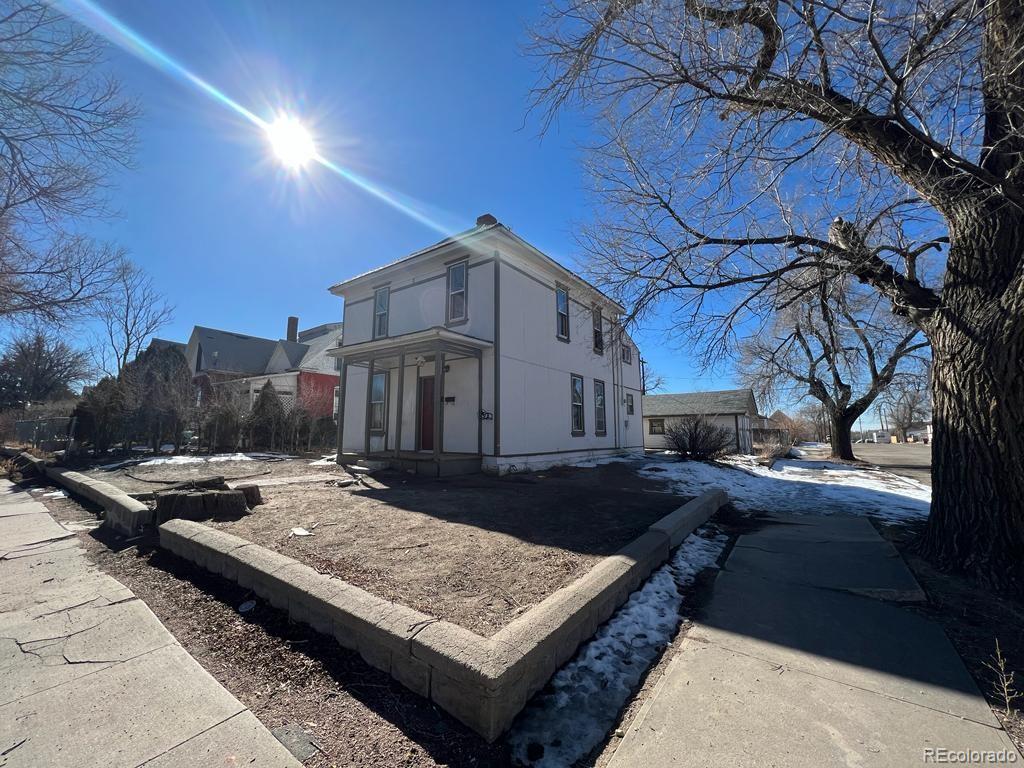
(414, 402)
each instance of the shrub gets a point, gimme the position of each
(697, 438)
(774, 449)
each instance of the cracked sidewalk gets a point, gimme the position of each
(90, 677)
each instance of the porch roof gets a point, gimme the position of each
(426, 341)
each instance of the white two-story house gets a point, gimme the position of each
(481, 352)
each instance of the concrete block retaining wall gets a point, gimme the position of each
(124, 514)
(483, 682)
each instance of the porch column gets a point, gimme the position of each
(438, 400)
(369, 391)
(479, 402)
(341, 407)
(398, 408)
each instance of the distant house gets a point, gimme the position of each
(734, 409)
(481, 352)
(298, 366)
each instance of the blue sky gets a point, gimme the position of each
(428, 100)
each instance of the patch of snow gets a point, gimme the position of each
(581, 702)
(176, 460)
(58, 494)
(801, 487)
(326, 461)
(796, 453)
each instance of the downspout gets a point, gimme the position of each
(736, 420)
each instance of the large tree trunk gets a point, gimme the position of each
(977, 515)
(842, 444)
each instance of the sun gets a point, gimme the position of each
(291, 142)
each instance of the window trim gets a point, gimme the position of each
(448, 319)
(384, 404)
(630, 404)
(600, 425)
(650, 426)
(559, 288)
(582, 405)
(386, 314)
(598, 328)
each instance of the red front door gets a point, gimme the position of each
(427, 413)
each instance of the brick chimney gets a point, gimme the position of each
(293, 329)
(485, 220)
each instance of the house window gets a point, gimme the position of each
(600, 427)
(656, 426)
(457, 292)
(629, 404)
(381, 300)
(378, 390)
(598, 332)
(576, 384)
(627, 354)
(562, 313)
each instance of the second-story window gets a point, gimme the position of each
(381, 300)
(562, 313)
(457, 292)
(627, 354)
(598, 332)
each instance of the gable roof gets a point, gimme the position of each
(701, 403)
(316, 348)
(486, 223)
(234, 352)
(293, 351)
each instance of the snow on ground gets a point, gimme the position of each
(801, 487)
(190, 459)
(580, 704)
(326, 461)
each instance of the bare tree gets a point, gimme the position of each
(907, 403)
(130, 313)
(64, 127)
(650, 381)
(738, 132)
(835, 345)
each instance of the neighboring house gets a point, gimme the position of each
(298, 366)
(481, 352)
(734, 409)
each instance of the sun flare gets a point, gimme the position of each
(291, 142)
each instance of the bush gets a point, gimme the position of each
(774, 449)
(698, 439)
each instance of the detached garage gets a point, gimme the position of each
(734, 409)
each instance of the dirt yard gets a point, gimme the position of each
(146, 474)
(474, 550)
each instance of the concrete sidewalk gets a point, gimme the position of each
(90, 677)
(805, 657)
